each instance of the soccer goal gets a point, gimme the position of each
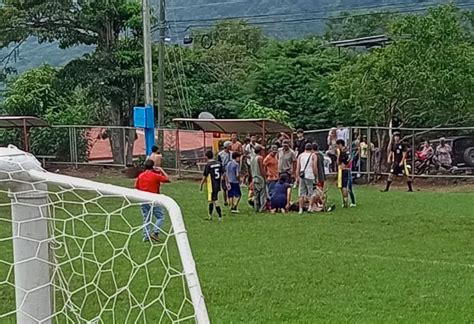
(72, 251)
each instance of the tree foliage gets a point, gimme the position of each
(293, 76)
(111, 73)
(349, 26)
(39, 92)
(424, 78)
(253, 110)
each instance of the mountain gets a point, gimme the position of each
(278, 18)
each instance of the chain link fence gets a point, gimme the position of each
(432, 152)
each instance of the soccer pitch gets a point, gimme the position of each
(397, 257)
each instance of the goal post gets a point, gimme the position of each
(74, 251)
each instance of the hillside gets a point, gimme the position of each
(278, 18)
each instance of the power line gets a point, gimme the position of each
(391, 6)
(314, 19)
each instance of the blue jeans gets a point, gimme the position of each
(147, 221)
(271, 187)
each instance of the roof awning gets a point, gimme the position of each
(247, 126)
(370, 41)
(21, 121)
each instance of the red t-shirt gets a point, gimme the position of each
(150, 181)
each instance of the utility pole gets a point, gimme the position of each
(147, 55)
(161, 63)
(144, 116)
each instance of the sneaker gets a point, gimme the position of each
(146, 239)
(219, 219)
(208, 218)
(300, 212)
(331, 208)
(385, 190)
(235, 211)
(352, 205)
(155, 237)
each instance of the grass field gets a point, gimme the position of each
(397, 257)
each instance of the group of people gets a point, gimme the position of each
(272, 175)
(441, 155)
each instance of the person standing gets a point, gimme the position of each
(332, 148)
(150, 181)
(320, 173)
(443, 154)
(214, 177)
(319, 198)
(397, 158)
(300, 142)
(156, 156)
(233, 177)
(236, 145)
(249, 153)
(286, 160)
(224, 157)
(245, 164)
(258, 176)
(280, 139)
(306, 169)
(270, 164)
(342, 132)
(364, 149)
(344, 176)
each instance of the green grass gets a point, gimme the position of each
(397, 257)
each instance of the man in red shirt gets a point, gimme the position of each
(150, 181)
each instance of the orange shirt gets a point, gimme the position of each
(236, 147)
(271, 167)
(150, 181)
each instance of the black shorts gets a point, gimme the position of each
(398, 170)
(343, 178)
(214, 196)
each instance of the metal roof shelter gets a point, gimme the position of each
(248, 126)
(228, 126)
(24, 122)
(379, 40)
(367, 42)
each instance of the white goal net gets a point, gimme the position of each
(72, 251)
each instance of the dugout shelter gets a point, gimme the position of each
(25, 123)
(228, 126)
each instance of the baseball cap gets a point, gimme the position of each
(227, 144)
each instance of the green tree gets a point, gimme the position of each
(215, 76)
(111, 73)
(253, 110)
(293, 76)
(39, 92)
(424, 78)
(349, 26)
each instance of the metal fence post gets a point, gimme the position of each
(369, 153)
(124, 137)
(413, 155)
